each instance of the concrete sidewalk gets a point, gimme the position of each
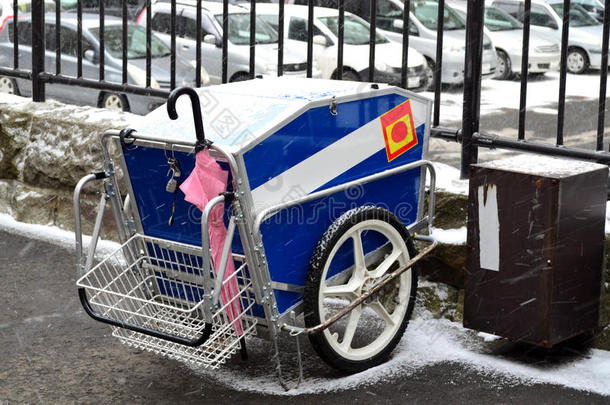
(53, 353)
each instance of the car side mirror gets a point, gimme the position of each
(554, 26)
(321, 39)
(211, 39)
(398, 24)
(91, 56)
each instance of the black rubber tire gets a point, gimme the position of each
(349, 74)
(429, 75)
(504, 59)
(124, 103)
(581, 53)
(310, 301)
(239, 77)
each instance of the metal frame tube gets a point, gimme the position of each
(224, 259)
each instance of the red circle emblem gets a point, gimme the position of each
(399, 132)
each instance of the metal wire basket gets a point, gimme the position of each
(158, 285)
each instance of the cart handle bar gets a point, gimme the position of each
(207, 331)
(267, 212)
(295, 330)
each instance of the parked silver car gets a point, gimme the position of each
(136, 53)
(422, 36)
(295, 57)
(506, 32)
(585, 35)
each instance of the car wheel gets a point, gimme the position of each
(116, 102)
(358, 250)
(503, 70)
(239, 77)
(429, 75)
(8, 85)
(578, 62)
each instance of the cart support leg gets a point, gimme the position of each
(278, 365)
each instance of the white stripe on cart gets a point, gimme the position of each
(327, 164)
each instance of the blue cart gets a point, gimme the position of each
(324, 199)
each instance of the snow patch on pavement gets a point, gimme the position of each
(450, 236)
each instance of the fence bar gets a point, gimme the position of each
(172, 58)
(472, 80)
(561, 106)
(309, 37)
(438, 63)
(198, 44)
(341, 40)
(603, 78)
(38, 52)
(280, 40)
(96, 84)
(15, 35)
(524, 68)
(405, 43)
(57, 37)
(225, 40)
(148, 42)
(124, 36)
(22, 74)
(102, 45)
(252, 37)
(79, 39)
(372, 37)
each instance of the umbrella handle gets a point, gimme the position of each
(202, 143)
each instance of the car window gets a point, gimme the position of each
(427, 13)
(69, 41)
(578, 15)
(272, 20)
(498, 20)
(24, 33)
(297, 29)
(388, 9)
(355, 31)
(136, 42)
(510, 8)
(190, 27)
(161, 22)
(239, 29)
(542, 18)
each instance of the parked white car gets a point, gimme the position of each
(422, 35)
(506, 33)
(388, 54)
(295, 57)
(585, 35)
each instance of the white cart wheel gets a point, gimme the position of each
(339, 273)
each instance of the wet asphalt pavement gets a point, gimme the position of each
(53, 353)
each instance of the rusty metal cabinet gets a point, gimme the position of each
(535, 248)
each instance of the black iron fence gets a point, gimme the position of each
(469, 135)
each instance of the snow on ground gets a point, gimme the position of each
(450, 236)
(427, 341)
(542, 94)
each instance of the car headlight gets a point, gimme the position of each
(205, 77)
(381, 66)
(139, 77)
(271, 68)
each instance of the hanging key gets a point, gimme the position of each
(173, 183)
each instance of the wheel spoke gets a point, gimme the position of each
(350, 329)
(386, 264)
(382, 312)
(344, 290)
